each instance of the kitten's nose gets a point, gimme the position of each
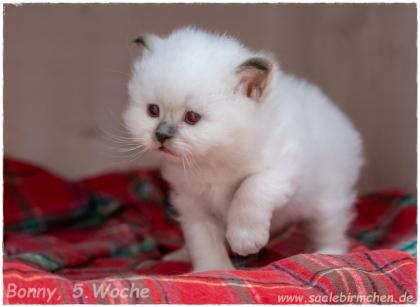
(164, 131)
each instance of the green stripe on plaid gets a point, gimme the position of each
(95, 212)
(371, 236)
(41, 260)
(409, 247)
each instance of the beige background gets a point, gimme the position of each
(66, 66)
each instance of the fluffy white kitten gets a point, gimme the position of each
(245, 147)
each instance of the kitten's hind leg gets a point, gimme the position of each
(180, 255)
(328, 229)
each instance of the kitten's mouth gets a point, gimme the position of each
(166, 150)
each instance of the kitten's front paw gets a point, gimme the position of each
(213, 267)
(334, 249)
(180, 255)
(245, 241)
(331, 251)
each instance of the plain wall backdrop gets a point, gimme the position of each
(66, 68)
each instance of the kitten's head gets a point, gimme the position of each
(194, 93)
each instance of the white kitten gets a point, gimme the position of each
(245, 147)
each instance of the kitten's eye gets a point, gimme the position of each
(192, 118)
(153, 110)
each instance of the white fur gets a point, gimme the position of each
(246, 168)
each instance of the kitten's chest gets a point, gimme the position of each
(219, 199)
(215, 194)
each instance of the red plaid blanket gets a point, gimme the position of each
(101, 241)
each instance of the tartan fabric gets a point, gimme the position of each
(101, 240)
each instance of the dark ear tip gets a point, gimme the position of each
(257, 63)
(140, 41)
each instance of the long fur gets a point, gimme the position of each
(256, 160)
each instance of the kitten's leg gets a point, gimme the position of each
(250, 213)
(180, 255)
(204, 237)
(328, 229)
(206, 244)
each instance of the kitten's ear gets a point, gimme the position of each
(255, 76)
(147, 41)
